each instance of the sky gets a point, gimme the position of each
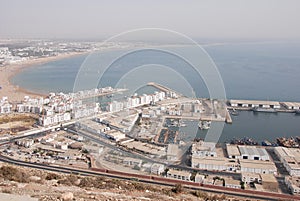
(273, 19)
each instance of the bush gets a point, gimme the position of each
(51, 176)
(177, 189)
(14, 174)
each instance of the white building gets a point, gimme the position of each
(290, 157)
(249, 177)
(293, 184)
(215, 164)
(54, 119)
(157, 168)
(232, 183)
(132, 162)
(233, 151)
(261, 167)
(5, 106)
(203, 149)
(253, 153)
(177, 174)
(199, 178)
(172, 152)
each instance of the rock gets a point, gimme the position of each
(67, 196)
(77, 182)
(34, 178)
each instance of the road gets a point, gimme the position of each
(152, 180)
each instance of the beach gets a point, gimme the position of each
(17, 93)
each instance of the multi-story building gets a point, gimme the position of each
(157, 168)
(177, 174)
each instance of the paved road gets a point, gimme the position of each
(83, 172)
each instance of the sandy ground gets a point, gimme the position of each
(16, 93)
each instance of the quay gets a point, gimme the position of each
(263, 106)
(164, 89)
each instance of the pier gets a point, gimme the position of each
(264, 106)
(164, 88)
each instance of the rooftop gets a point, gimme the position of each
(254, 102)
(179, 172)
(252, 150)
(232, 150)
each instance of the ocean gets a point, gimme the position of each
(258, 71)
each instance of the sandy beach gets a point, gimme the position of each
(17, 93)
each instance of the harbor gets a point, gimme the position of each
(264, 106)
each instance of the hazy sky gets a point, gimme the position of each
(98, 19)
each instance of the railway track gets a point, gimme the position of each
(149, 179)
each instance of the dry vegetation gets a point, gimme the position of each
(13, 123)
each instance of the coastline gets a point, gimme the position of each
(16, 93)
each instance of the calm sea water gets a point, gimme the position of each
(265, 71)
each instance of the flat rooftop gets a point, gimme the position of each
(253, 151)
(258, 164)
(213, 160)
(179, 172)
(291, 104)
(254, 102)
(232, 150)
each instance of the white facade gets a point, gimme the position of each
(290, 157)
(157, 168)
(132, 162)
(261, 167)
(251, 177)
(293, 183)
(253, 153)
(199, 178)
(177, 174)
(215, 164)
(54, 119)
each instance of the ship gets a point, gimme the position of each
(297, 112)
(234, 112)
(204, 125)
(259, 109)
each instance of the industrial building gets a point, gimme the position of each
(249, 177)
(177, 174)
(291, 105)
(261, 167)
(290, 157)
(203, 149)
(293, 183)
(172, 152)
(233, 151)
(253, 153)
(214, 163)
(254, 103)
(269, 182)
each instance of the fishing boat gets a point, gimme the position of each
(204, 125)
(234, 112)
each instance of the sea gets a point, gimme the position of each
(249, 70)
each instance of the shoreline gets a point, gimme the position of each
(16, 93)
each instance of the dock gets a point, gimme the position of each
(248, 105)
(163, 88)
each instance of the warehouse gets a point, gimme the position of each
(215, 163)
(261, 167)
(233, 151)
(253, 153)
